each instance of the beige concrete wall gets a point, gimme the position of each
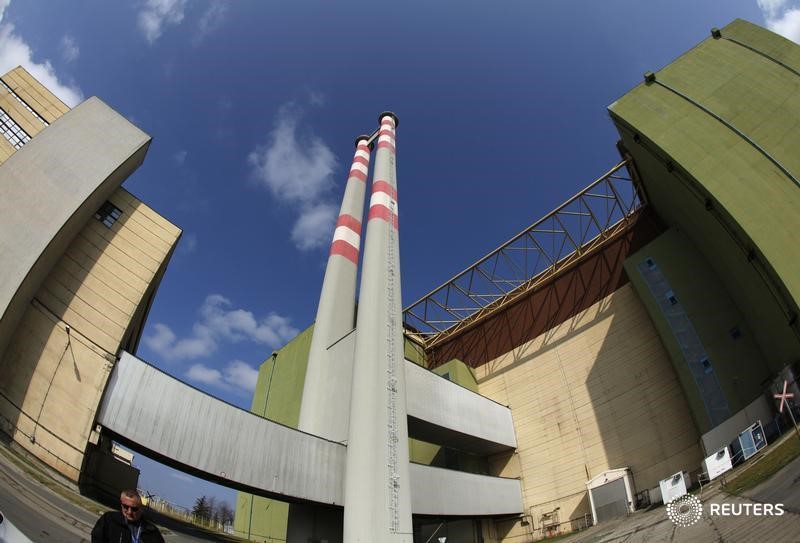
(50, 189)
(595, 393)
(53, 380)
(36, 95)
(41, 100)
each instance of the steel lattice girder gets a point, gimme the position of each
(580, 225)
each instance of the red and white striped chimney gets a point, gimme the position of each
(377, 499)
(325, 406)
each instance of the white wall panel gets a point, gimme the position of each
(442, 403)
(437, 491)
(175, 420)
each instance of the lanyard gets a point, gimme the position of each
(135, 534)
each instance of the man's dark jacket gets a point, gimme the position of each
(112, 528)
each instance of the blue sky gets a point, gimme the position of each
(253, 108)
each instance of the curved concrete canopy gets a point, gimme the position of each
(190, 430)
(216, 440)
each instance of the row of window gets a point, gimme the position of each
(23, 102)
(13, 132)
(16, 136)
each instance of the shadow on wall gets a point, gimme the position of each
(560, 364)
(637, 415)
(56, 351)
(550, 520)
(602, 396)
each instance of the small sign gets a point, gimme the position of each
(783, 396)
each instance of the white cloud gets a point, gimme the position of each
(200, 373)
(14, 51)
(188, 244)
(241, 375)
(158, 14)
(237, 376)
(238, 324)
(218, 323)
(162, 339)
(782, 17)
(293, 171)
(69, 49)
(316, 98)
(771, 7)
(314, 226)
(181, 477)
(788, 25)
(164, 342)
(210, 21)
(298, 171)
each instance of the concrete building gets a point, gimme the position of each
(81, 260)
(619, 340)
(635, 330)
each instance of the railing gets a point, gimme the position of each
(579, 226)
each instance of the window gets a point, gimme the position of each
(108, 214)
(13, 132)
(706, 365)
(23, 102)
(671, 297)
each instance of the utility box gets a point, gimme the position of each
(718, 463)
(750, 441)
(674, 486)
(655, 495)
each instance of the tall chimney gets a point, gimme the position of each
(377, 499)
(325, 406)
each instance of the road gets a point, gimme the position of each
(654, 526)
(48, 517)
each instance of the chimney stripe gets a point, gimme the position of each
(361, 176)
(350, 222)
(387, 145)
(383, 213)
(385, 187)
(360, 167)
(344, 233)
(342, 248)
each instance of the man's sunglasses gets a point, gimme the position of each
(132, 508)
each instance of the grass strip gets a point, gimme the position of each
(766, 466)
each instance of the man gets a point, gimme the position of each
(127, 524)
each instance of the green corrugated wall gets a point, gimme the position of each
(278, 393)
(716, 140)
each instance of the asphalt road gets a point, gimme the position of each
(653, 526)
(31, 508)
(47, 517)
